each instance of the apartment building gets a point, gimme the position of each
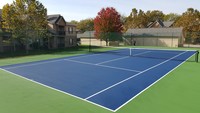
(63, 34)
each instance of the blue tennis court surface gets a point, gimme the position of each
(107, 80)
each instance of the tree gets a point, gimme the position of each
(134, 13)
(7, 21)
(86, 25)
(141, 19)
(25, 19)
(171, 17)
(108, 25)
(131, 20)
(154, 15)
(190, 21)
(123, 19)
(74, 22)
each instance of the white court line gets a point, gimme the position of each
(124, 69)
(133, 76)
(56, 89)
(33, 64)
(85, 99)
(162, 49)
(45, 62)
(113, 60)
(152, 84)
(119, 68)
(123, 57)
(85, 55)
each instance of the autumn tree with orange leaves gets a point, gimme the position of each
(107, 25)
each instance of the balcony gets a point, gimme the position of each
(61, 33)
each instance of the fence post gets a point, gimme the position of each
(157, 37)
(172, 39)
(90, 41)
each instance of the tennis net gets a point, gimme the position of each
(172, 54)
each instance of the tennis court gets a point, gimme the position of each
(106, 80)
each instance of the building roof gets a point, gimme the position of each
(53, 18)
(160, 23)
(176, 32)
(168, 23)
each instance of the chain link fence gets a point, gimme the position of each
(192, 39)
(161, 39)
(44, 40)
(35, 40)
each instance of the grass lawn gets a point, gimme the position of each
(178, 92)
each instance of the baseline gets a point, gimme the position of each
(133, 76)
(56, 89)
(152, 84)
(45, 61)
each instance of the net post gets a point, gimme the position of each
(130, 52)
(197, 56)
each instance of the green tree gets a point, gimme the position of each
(190, 21)
(154, 15)
(26, 19)
(7, 21)
(130, 21)
(140, 19)
(86, 25)
(134, 12)
(171, 17)
(74, 22)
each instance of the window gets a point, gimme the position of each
(70, 30)
(61, 28)
(71, 41)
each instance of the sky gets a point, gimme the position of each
(83, 9)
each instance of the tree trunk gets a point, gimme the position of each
(106, 42)
(27, 48)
